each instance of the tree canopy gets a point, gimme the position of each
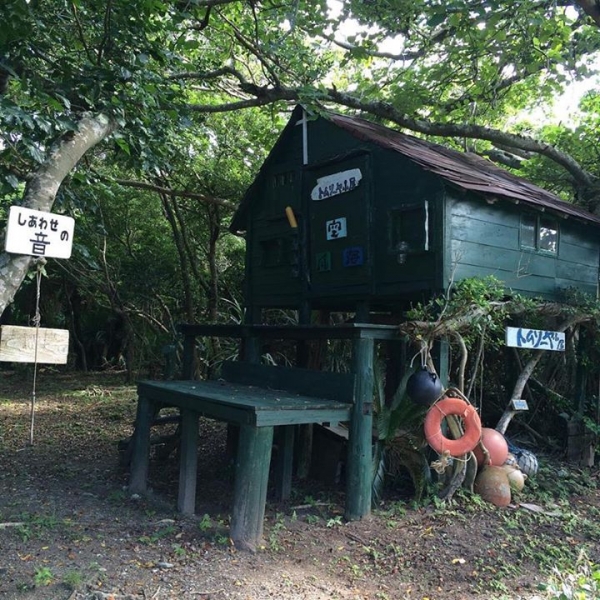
(108, 103)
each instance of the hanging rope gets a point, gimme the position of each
(36, 323)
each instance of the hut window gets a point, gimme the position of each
(548, 238)
(528, 227)
(539, 233)
(409, 229)
(272, 252)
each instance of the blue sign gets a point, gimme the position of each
(353, 256)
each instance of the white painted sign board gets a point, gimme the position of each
(535, 339)
(17, 344)
(38, 233)
(336, 184)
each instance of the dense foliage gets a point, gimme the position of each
(147, 121)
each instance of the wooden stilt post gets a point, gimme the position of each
(188, 462)
(250, 490)
(285, 462)
(305, 432)
(360, 461)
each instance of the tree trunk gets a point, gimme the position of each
(41, 190)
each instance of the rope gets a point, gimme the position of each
(36, 322)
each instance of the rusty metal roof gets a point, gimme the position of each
(464, 170)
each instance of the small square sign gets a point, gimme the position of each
(519, 404)
(336, 229)
(353, 256)
(323, 261)
(38, 233)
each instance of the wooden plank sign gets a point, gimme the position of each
(17, 344)
(536, 339)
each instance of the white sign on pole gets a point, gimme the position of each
(536, 339)
(38, 233)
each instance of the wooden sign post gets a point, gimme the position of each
(533, 339)
(42, 235)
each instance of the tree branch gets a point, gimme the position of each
(388, 112)
(142, 185)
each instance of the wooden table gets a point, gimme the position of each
(258, 398)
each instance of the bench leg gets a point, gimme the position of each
(250, 491)
(285, 461)
(188, 462)
(138, 474)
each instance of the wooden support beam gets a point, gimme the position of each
(188, 462)
(138, 477)
(250, 490)
(360, 461)
(285, 459)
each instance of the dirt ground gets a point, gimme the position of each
(69, 529)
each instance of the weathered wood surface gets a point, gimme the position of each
(360, 461)
(250, 488)
(245, 405)
(332, 386)
(18, 344)
(347, 331)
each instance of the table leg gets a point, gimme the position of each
(188, 462)
(285, 461)
(250, 491)
(138, 474)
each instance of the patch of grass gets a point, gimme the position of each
(157, 535)
(73, 579)
(205, 523)
(43, 576)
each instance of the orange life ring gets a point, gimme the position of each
(458, 408)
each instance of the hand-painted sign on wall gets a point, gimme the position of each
(323, 260)
(537, 339)
(336, 184)
(38, 233)
(353, 257)
(336, 229)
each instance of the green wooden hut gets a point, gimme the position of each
(345, 212)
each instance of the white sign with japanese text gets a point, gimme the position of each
(536, 339)
(39, 233)
(336, 184)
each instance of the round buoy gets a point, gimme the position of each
(495, 444)
(433, 426)
(424, 387)
(493, 486)
(516, 478)
(527, 462)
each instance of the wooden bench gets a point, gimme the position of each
(258, 398)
